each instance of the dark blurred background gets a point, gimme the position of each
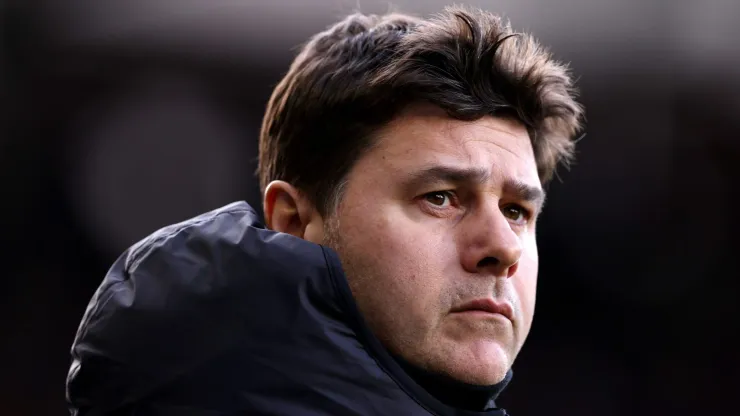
(119, 117)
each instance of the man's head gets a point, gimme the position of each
(418, 149)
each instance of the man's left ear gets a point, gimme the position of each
(287, 210)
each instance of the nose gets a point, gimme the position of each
(490, 245)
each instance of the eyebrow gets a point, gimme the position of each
(526, 192)
(447, 174)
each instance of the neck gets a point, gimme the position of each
(452, 392)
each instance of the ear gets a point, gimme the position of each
(287, 210)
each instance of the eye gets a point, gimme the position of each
(516, 213)
(440, 199)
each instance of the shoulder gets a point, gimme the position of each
(178, 297)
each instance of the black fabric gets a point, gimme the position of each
(219, 316)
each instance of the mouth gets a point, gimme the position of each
(487, 306)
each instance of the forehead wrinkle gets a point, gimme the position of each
(429, 134)
(511, 137)
(443, 141)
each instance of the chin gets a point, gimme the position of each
(481, 364)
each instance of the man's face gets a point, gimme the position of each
(436, 232)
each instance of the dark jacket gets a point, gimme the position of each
(219, 316)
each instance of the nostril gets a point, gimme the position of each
(487, 262)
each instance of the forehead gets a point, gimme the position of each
(425, 136)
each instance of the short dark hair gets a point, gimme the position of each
(355, 77)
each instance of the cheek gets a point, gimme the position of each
(525, 282)
(404, 260)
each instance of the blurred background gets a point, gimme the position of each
(121, 116)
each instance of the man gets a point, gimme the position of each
(402, 163)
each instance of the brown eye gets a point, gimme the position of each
(438, 199)
(515, 213)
